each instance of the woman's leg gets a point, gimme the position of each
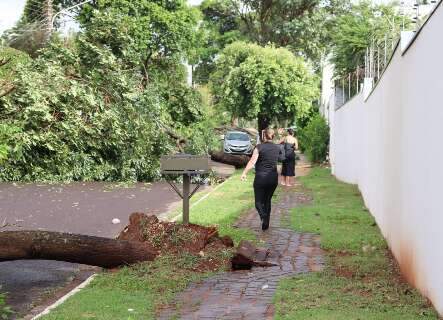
(283, 172)
(260, 205)
(269, 192)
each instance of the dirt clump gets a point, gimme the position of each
(202, 245)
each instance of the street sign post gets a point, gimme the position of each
(186, 165)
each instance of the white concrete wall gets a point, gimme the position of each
(391, 145)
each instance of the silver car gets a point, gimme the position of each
(237, 142)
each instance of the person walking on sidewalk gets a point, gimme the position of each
(265, 158)
(290, 144)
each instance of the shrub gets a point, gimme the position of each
(5, 311)
(314, 139)
(8, 141)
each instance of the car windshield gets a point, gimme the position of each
(238, 136)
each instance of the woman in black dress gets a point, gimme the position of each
(265, 158)
(288, 168)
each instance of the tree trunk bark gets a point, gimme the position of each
(96, 251)
(234, 121)
(239, 161)
(263, 123)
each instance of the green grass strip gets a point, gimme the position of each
(224, 206)
(360, 280)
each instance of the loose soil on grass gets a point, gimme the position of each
(169, 238)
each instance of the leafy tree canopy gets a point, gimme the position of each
(105, 106)
(363, 24)
(220, 26)
(264, 83)
(146, 35)
(302, 26)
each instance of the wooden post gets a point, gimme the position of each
(186, 191)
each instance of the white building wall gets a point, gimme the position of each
(391, 145)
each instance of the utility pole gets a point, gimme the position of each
(48, 12)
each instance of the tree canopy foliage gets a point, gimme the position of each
(355, 30)
(302, 26)
(108, 104)
(266, 21)
(220, 27)
(263, 83)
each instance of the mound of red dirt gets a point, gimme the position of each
(177, 239)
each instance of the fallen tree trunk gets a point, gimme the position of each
(239, 161)
(250, 131)
(96, 251)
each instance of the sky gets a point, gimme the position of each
(10, 11)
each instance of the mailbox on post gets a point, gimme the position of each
(186, 165)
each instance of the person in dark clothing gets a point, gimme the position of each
(265, 158)
(290, 144)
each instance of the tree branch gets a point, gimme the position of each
(4, 61)
(8, 91)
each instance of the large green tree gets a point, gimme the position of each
(264, 83)
(303, 26)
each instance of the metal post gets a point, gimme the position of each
(367, 64)
(349, 89)
(378, 62)
(356, 76)
(186, 190)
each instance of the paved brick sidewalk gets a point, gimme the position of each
(248, 294)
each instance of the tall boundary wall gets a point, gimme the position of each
(391, 146)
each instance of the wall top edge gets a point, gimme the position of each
(415, 37)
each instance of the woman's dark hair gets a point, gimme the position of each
(290, 131)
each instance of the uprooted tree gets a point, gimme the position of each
(142, 240)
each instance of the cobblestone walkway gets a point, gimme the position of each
(248, 294)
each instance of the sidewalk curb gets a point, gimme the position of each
(65, 297)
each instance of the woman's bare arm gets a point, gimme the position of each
(250, 164)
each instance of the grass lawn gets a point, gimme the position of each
(360, 280)
(135, 292)
(224, 205)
